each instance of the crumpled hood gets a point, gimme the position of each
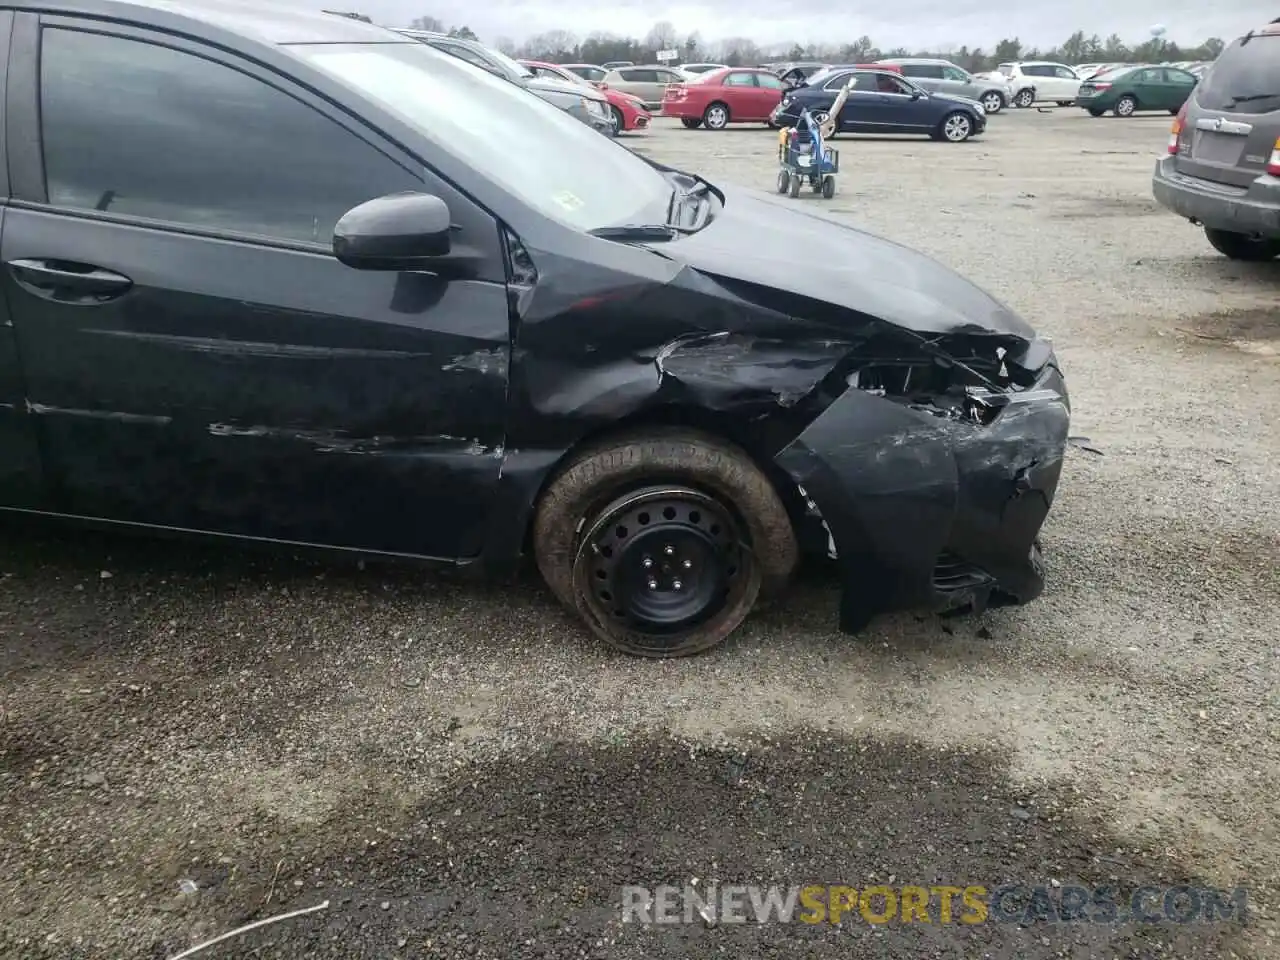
(787, 244)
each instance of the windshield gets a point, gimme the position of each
(1112, 73)
(818, 77)
(1246, 77)
(511, 66)
(556, 164)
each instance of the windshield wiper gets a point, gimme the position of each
(1254, 96)
(642, 232)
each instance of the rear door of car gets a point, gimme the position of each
(195, 356)
(1181, 83)
(926, 75)
(769, 90)
(1233, 118)
(642, 83)
(21, 479)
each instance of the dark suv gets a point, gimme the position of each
(1223, 167)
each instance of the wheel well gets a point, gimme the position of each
(709, 422)
(717, 103)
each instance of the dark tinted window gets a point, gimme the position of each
(1246, 77)
(1037, 70)
(640, 76)
(931, 71)
(138, 129)
(840, 79)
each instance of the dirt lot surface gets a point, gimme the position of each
(460, 773)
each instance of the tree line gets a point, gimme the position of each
(562, 46)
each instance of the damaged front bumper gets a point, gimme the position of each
(935, 511)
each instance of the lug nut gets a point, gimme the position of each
(653, 584)
(687, 564)
(669, 550)
(647, 562)
(676, 584)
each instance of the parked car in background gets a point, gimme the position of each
(943, 76)
(1127, 90)
(298, 305)
(1050, 81)
(792, 73)
(692, 71)
(722, 97)
(627, 112)
(614, 64)
(1198, 69)
(588, 105)
(1086, 70)
(1222, 171)
(883, 102)
(587, 71)
(646, 82)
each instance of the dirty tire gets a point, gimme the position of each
(619, 122)
(828, 187)
(1126, 106)
(796, 184)
(1024, 99)
(691, 123)
(1095, 112)
(716, 116)
(1240, 246)
(686, 457)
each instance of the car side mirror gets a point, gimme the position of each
(401, 231)
(916, 94)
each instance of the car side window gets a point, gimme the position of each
(1065, 73)
(740, 80)
(888, 84)
(867, 82)
(839, 80)
(640, 76)
(768, 81)
(188, 141)
(1035, 71)
(1179, 76)
(1145, 76)
(954, 73)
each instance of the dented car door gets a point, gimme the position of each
(195, 356)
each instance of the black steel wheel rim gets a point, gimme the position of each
(662, 561)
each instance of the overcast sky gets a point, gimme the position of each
(916, 24)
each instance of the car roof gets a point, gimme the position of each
(914, 60)
(270, 23)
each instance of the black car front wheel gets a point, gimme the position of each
(662, 541)
(955, 128)
(1240, 246)
(692, 124)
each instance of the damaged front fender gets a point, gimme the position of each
(933, 511)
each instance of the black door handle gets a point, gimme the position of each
(67, 279)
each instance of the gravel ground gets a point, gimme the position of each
(459, 773)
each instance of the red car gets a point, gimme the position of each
(721, 97)
(628, 112)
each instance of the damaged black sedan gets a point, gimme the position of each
(304, 281)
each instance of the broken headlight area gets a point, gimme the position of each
(967, 379)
